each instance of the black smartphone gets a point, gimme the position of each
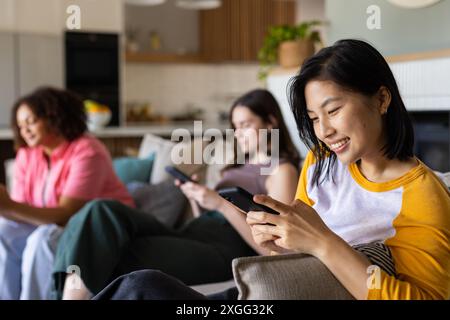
(178, 174)
(243, 199)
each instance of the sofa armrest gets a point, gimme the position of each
(290, 276)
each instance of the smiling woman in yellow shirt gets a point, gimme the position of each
(410, 215)
(361, 183)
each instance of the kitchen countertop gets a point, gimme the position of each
(138, 130)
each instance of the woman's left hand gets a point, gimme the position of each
(298, 228)
(5, 200)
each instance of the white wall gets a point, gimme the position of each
(402, 30)
(308, 10)
(177, 27)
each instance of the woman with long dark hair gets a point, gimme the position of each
(107, 239)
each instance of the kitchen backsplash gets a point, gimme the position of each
(172, 88)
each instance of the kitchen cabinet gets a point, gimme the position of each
(27, 61)
(40, 61)
(43, 16)
(98, 15)
(236, 30)
(7, 15)
(7, 79)
(50, 16)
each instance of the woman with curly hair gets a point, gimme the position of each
(58, 168)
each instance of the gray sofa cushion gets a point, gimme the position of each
(291, 277)
(163, 200)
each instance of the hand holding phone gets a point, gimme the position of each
(178, 174)
(243, 199)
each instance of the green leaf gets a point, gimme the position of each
(268, 53)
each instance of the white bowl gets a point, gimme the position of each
(98, 120)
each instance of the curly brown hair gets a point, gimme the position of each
(63, 111)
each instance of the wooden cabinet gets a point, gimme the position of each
(235, 31)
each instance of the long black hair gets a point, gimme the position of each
(356, 66)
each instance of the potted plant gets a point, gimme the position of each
(288, 45)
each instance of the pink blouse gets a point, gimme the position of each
(81, 169)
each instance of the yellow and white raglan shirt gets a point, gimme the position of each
(410, 215)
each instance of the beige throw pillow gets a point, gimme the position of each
(286, 277)
(163, 152)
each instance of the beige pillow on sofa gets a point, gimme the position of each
(161, 147)
(286, 277)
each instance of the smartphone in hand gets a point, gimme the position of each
(243, 199)
(178, 174)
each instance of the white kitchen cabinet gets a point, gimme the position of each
(43, 16)
(7, 77)
(40, 61)
(27, 61)
(7, 15)
(98, 15)
(50, 16)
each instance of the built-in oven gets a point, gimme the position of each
(432, 138)
(92, 68)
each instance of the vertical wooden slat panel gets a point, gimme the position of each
(236, 30)
(226, 22)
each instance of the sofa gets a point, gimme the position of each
(250, 273)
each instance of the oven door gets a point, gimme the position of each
(92, 60)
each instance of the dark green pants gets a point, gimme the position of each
(107, 239)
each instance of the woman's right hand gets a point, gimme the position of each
(205, 197)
